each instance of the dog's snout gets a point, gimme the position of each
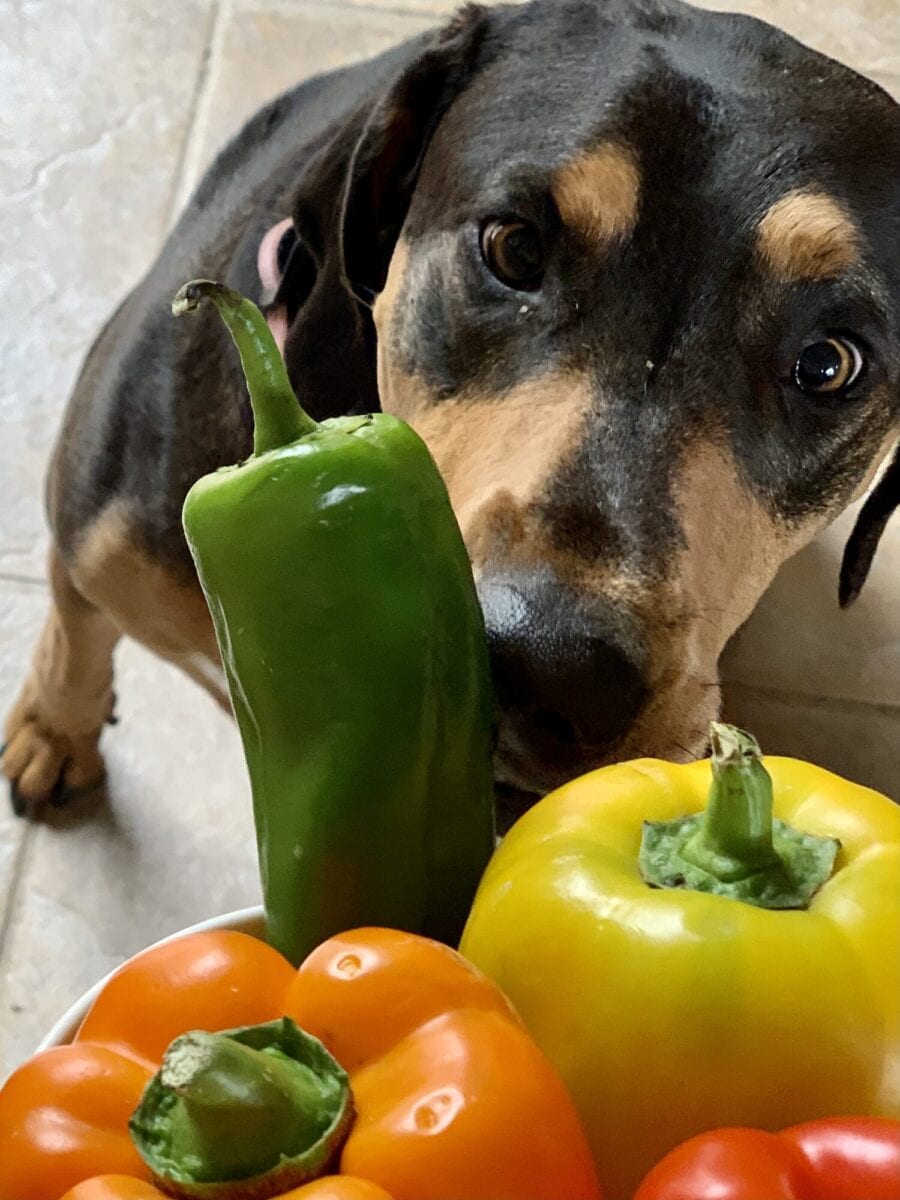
(567, 682)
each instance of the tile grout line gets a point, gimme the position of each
(810, 699)
(15, 880)
(198, 105)
(35, 581)
(290, 6)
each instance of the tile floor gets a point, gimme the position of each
(117, 107)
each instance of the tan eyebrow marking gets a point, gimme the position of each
(807, 235)
(598, 192)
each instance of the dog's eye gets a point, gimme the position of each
(828, 367)
(513, 252)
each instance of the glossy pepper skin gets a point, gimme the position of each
(64, 1117)
(329, 1187)
(354, 645)
(682, 1011)
(839, 1158)
(453, 1099)
(64, 1114)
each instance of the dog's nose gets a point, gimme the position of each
(567, 681)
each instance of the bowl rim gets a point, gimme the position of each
(243, 920)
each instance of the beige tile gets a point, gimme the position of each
(857, 741)
(864, 34)
(798, 639)
(173, 844)
(431, 8)
(87, 166)
(22, 608)
(434, 8)
(890, 83)
(261, 49)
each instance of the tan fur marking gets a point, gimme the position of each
(112, 587)
(146, 600)
(731, 559)
(807, 235)
(882, 455)
(733, 549)
(497, 453)
(598, 192)
(53, 730)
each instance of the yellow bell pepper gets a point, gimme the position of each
(647, 967)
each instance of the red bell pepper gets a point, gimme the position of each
(837, 1158)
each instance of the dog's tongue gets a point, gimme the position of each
(270, 277)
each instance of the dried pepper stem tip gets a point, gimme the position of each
(736, 847)
(278, 418)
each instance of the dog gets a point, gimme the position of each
(631, 269)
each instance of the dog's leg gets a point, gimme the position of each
(110, 588)
(53, 731)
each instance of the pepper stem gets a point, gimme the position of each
(736, 848)
(278, 418)
(265, 1106)
(241, 1108)
(735, 836)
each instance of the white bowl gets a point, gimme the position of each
(245, 920)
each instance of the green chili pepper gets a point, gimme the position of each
(356, 657)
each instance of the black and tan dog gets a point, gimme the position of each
(632, 270)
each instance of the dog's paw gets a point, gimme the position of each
(44, 765)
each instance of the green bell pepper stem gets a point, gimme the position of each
(240, 1108)
(248, 1112)
(736, 848)
(735, 837)
(278, 418)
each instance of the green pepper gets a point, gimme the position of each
(355, 651)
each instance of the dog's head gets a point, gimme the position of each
(635, 274)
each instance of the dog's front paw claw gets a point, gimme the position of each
(17, 801)
(60, 795)
(45, 767)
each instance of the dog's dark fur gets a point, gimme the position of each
(627, 451)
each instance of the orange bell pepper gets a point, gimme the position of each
(64, 1114)
(113, 1187)
(329, 1187)
(64, 1117)
(211, 981)
(453, 1099)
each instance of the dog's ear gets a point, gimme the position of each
(870, 525)
(387, 159)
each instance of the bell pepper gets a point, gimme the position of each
(354, 647)
(629, 926)
(64, 1114)
(113, 1187)
(452, 1099)
(328, 1187)
(64, 1117)
(840, 1158)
